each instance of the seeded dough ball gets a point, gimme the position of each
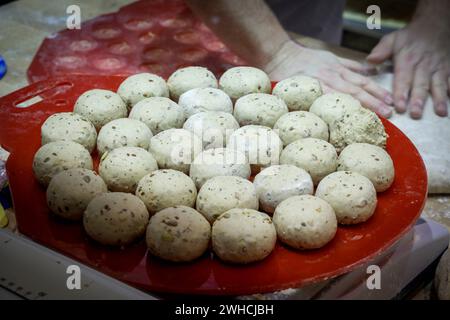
(300, 124)
(259, 109)
(121, 133)
(277, 183)
(175, 149)
(317, 157)
(140, 86)
(213, 127)
(218, 162)
(158, 113)
(243, 236)
(361, 126)
(222, 193)
(299, 92)
(371, 161)
(305, 222)
(261, 145)
(115, 218)
(188, 78)
(70, 192)
(166, 188)
(178, 234)
(58, 156)
(122, 168)
(352, 196)
(240, 81)
(331, 106)
(69, 126)
(100, 107)
(205, 99)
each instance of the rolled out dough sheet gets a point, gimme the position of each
(431, 136)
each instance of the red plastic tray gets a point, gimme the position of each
(157, 36)
(398, 208)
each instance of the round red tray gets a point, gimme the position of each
(397, 210)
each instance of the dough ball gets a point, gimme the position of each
(305, 222)
(213, 127)
(243, 236)
(317, 157)
(371, 161)
(301, 124)
(188, 78)
(259, 109)
(261, 145)
(57, 156)
(222, 193)
(123, 167)
(166, 188)
(175, 149)
(205, 99)
(178, 234)
(70, 192)
(115, 218)
(158, 113)
(277, 183)
(331, 106)
(121, 133)
(218, 162)
(140, 86)
(240, 81)
(299, 92)
(352, 196)
(100, 107)
(361, 126)
(69, 126)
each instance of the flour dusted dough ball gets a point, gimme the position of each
(261, 145)
(277, 183)
(371, 161)
(300, 124)
(240, 81)
(70, 192)
(123, 167)
(121, 133)
(243, 236)
(317, 157)
(218, 162)
(115, 218)
(205, 99)
(188, 78)
(100, 107)
(175, 149)
(140, 86)
(57, 156)
(222, 193)
(259, 109)
(213, 127)
(305, 222)
(331, 106)
(166, 188)
(299, 92)
(158, 113)
(352, 196)
(178, 234)
(69, 126)
(361, 126)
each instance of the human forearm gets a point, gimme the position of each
(249, 28)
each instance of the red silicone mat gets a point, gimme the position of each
(157, 36)
(398, 208)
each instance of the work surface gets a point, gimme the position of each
(25, 23)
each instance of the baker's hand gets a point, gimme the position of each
(335, 74)
(421, 55)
